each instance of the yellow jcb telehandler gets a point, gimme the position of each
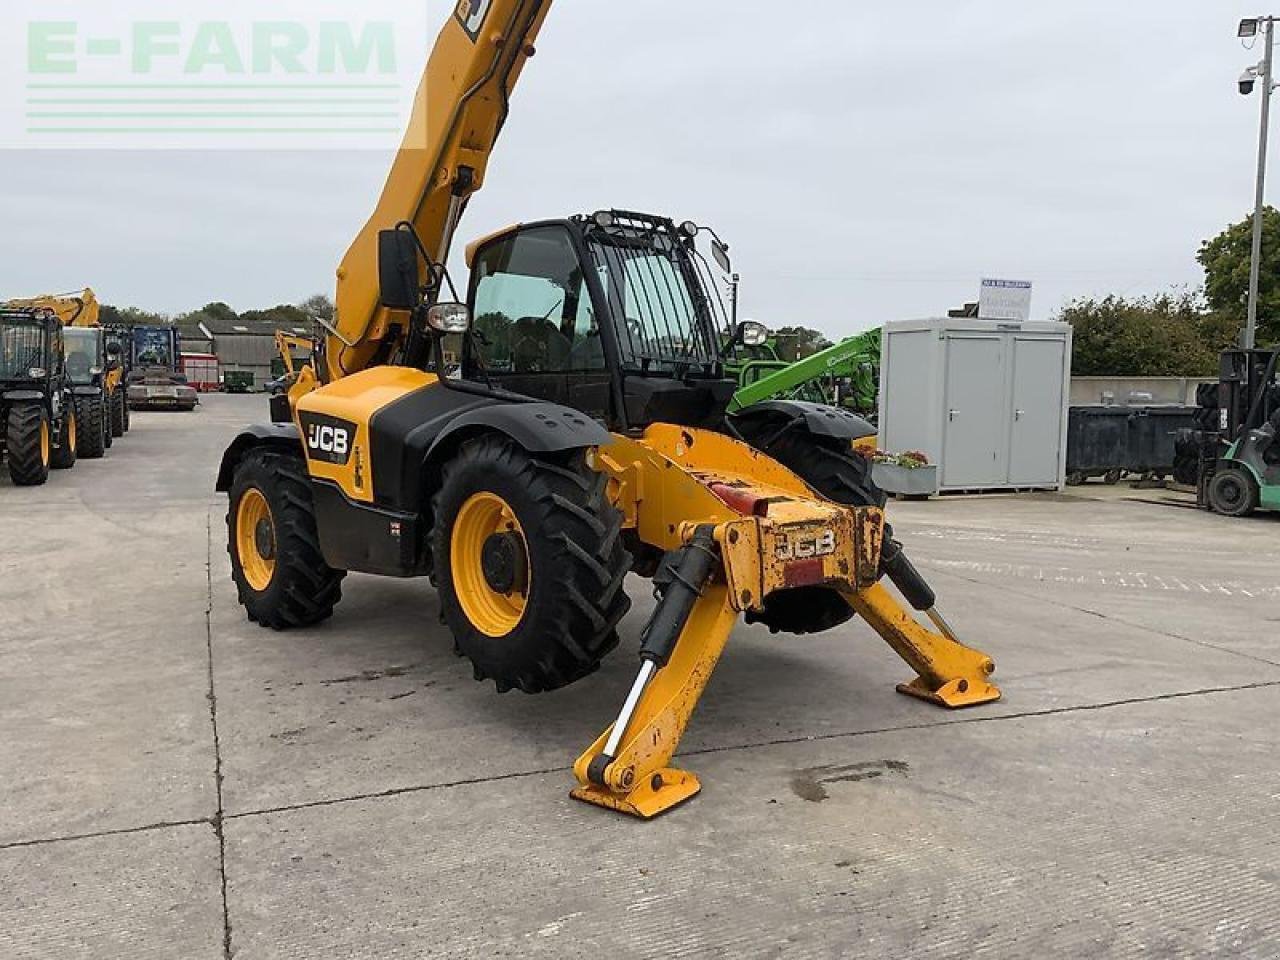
(586, 436)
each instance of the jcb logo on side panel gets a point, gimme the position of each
(329, 439)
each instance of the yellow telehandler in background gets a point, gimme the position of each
(94, 366)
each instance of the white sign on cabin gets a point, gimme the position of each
(1005, 300)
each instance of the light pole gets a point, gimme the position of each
(1263, 71)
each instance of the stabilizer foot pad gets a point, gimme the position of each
(954, 694)
(659, 793)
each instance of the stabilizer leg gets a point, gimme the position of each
(636, 778)
(950, 674)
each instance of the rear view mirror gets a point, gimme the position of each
(720, 252)
(399, 283)
(449, 318)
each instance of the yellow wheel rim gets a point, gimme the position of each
(492, 609)
(71, 431)
(256, 539)
(44, 442)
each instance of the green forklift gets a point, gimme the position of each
(1240, 462)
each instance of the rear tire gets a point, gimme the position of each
(287, 583)
(64, 455)
(90, 428)
(1233, 493)
(552, 532)
(29, 444)
(842, 475)
(119, 417)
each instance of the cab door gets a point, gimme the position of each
(535, 324)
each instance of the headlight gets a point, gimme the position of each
(752, 334)
(37, 373)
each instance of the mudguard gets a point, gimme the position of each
(283, 435)
(22, 395)
(538, 427)
(820, 419)
(86, 390)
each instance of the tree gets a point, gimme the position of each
(285, 315)
(1226, 260)
(216, 312)
(130, 317)
(318, 305)
(1170, 335)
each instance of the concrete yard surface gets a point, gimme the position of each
(177, 783)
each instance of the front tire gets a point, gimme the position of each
(29, 444)
(529, 563)
(64, 455)
(119, 417)
(276, 562)
(1233, 493)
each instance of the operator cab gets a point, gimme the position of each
(30, 343)
(85, 354)
(616, 314)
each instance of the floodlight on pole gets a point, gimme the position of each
(1248, 80)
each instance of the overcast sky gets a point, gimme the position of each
(865, 165)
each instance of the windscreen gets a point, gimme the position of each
(81, 348)
(22, 349)
(153, 347)
(662, 295)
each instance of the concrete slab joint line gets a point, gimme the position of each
(218, 824)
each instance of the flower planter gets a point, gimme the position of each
(905, 481)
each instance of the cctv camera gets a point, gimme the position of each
(1246, 85)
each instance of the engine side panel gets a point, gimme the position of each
(335, 424)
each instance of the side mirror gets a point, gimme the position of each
(399, 281)
(449, 318)
(720, 252)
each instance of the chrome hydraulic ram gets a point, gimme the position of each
(679, 585)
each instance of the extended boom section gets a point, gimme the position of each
(459, 110)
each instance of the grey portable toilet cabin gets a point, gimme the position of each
(985, 400)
